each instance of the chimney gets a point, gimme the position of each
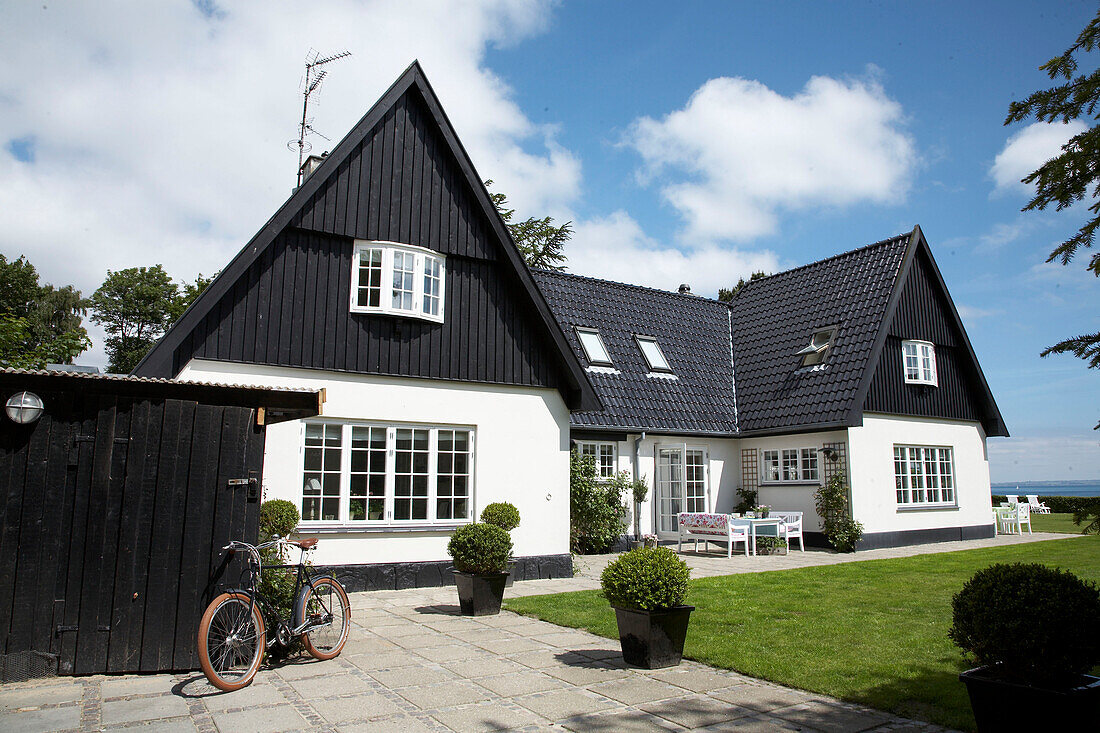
(312, 163)
(685, 289)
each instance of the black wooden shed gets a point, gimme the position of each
(114, 506)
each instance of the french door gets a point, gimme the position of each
(681, 484)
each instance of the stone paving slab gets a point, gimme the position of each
(486, 673)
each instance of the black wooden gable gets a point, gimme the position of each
(923, 310)
(400, 175)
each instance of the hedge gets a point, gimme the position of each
(1061, 504)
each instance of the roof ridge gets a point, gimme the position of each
(630, 286)
(880, 243)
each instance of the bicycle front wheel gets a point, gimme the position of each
(316, 602)
(231, 641)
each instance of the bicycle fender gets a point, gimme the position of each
(299, 600)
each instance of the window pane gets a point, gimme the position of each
(696, 482)
(770, 466)
(452, 486)
(411, 474)
(809, 464)
(369, 280)
(790, 465)
(404, 268)
(321, 477)
(367, 485)
(651, 350)
(593, 347)
(433, 275)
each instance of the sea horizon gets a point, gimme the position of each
(1080, 487)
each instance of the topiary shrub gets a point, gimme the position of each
(502, 514)
(278, 518)
(480, 549)
(1035, 623)
(647, 579)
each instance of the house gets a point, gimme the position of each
(454, 376)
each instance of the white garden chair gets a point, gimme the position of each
(1023, 516)
(791, 528)
(1013, 499)
(1007, 517)
(1037, 506)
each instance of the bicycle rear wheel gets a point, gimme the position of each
(232, 637)
(325, 596)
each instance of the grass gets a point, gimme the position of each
(1062, 523)
(872, 632)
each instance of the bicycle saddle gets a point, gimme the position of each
(307, 544)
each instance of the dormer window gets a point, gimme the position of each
(397, 279)
(594, 348)
(920, 362)
(654, 357)
(818, 348)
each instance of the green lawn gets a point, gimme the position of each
(1055, 523)
(872, 632)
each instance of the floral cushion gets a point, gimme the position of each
(697, 523)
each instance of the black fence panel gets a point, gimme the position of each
(113, 513)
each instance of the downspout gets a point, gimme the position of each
(637, 506)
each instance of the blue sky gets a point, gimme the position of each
(689, 142)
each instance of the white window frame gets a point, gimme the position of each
(924, 355)
(344, 520)
(818, 351)
(422, 259)
(600, 449)
(664, 481)
(790, 465)
(664, 367)
(603, 344)
(924, 476)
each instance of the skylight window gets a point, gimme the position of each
(593, 346)
(818, 348)
(651, 350)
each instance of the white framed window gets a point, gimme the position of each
(594, 348)
(651, 350)
(788, 465)
(695, 480)
(363, 474)
(818, 348)
(919, 362)
(924, 475)
(397, 279)
(603, 454)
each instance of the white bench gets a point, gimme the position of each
(711, 527)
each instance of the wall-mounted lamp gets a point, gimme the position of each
(24, 407)
(830, 454)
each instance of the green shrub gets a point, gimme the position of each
(596, 510)
(831, 501)
(765, 543)
(640, 489)
(1036, 622)
(278, 518)
(480, 548)
(648, 578)
(502, 514)
(748, 500)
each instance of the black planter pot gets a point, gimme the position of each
(653, 639)
(1010, 706)
(480, 595)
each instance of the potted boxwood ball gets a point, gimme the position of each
(504, 515)
(1035, 631)
(480, 553)
(646, 587)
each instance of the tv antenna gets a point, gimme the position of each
(311, 84)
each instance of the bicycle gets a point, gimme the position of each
(235, 631)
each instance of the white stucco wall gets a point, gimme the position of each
(794, 497)
(871, 453)
(521, 453)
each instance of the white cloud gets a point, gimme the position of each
(615, 248)
(1028, 149)
(739, 152)
(1046, 458)
(971, 313)
(159, 131)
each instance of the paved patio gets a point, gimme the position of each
(413, 664)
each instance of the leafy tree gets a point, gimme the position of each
(728, 294)
(188, 292)
(540, 241)
(39, 324)
(1075, 174)
(135, 307)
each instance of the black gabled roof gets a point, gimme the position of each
(693, 333)
(775, 316)
(159, 360)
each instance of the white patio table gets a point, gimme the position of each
(757, 523)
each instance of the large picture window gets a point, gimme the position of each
(788, 466)
(397, 279)
(603, 454)
(924, 475)
(383, 474)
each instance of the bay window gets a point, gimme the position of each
(789, 465)
(355, 473)
(920, 362)
(397, 279)
(924, 475)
